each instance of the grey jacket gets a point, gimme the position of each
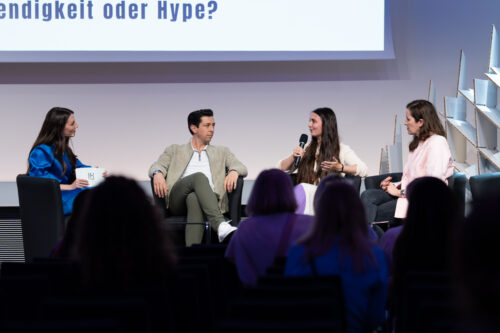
(175, 159)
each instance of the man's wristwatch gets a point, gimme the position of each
(155, 172)
(402, 193)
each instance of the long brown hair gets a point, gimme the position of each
(422, 109)
(329, 148)
(52, 134)
(340, 219)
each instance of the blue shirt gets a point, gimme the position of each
(364, 292)
(43, 163)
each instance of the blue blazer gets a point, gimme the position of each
(43, 163)
(364, 292)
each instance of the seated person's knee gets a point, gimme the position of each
(192, 199)
(200, 177)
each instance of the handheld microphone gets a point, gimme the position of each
(302, 142)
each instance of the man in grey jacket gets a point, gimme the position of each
(194, 177)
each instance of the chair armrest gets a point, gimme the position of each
(456, 183)
(355, 181)
(373, 182)
(234, 199)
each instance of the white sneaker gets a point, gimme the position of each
(224, 230)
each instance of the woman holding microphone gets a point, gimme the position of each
(324, 155)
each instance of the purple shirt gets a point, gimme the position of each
(255, 243)
(388, 240)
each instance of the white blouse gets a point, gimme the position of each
(347, 156)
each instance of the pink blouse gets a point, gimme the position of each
(431, 158)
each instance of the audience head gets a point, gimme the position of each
(120, 239)
(476, 267)
(324, 133)
(425, 241)
(422, 115)
(272, 193)
(194, 118)
(340, 219)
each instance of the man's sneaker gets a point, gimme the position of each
(224, 230)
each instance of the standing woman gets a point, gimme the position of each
(52, 157)
(324, 155)
(429, 156)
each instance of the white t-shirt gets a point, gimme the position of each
(199, 163)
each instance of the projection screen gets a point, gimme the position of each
(193, 30)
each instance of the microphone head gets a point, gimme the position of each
(303, 138)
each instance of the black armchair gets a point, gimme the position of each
(456, 183)
(179, 222)
(373, 182)
(42, 218)
(484, 187)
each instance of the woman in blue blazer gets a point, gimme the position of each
(52, 157)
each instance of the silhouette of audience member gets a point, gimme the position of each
(339, 244)
(431, 204)
(63, 248)
(425, 240)
(120, 243)
(271, 228)
(476, 269)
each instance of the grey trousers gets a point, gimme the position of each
(193, 196)
(379, 205)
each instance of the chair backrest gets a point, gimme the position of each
(485, 186)
(200, 250)
(427, 303)
(355, 181)
(278, 299)
(42, 218)
(456, 183)
(373, 182)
